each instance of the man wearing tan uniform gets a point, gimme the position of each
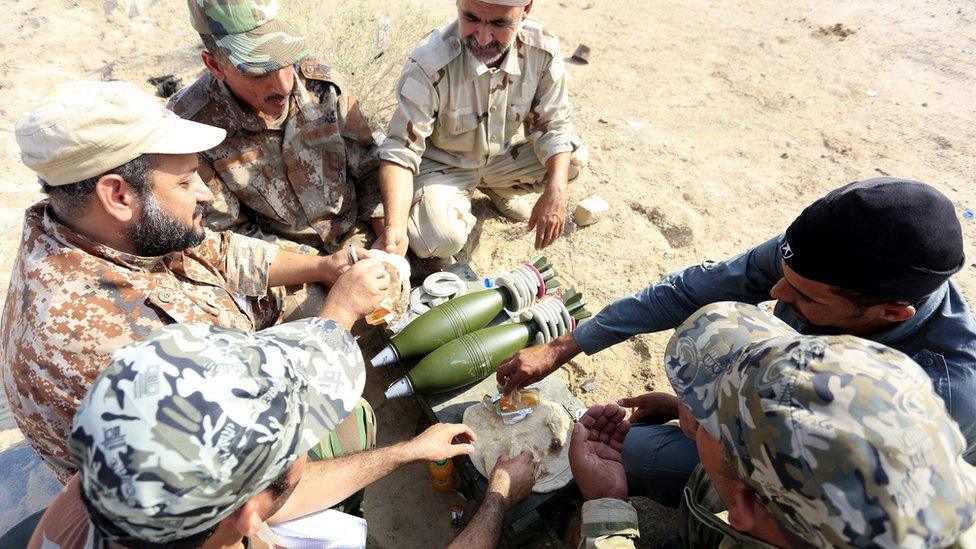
(464, 95)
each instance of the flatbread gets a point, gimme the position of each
(397, 298)
(545, 433)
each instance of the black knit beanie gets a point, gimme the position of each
(886, 238)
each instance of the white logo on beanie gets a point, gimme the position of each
(786, 250)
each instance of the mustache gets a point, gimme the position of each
(275, 98)
(202, 209)
(473, 44)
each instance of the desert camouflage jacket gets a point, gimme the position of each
(455, 110)
(73, 302)
(306, 180)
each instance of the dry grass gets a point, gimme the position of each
(365, 40)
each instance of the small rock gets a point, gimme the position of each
(633, 124)
(925, 104)
(784, 155)
(871, 93)
(589, 386)
(603, 120)
(166, 85)
(582, 54)
(590, 210)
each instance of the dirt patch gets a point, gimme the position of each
(837, 29)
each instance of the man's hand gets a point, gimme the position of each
(653, 408)
(396, 186)
(594, 452)
(534, 363)
(340, 262)
(438, 442)
(357, 292)
(390, 237)
(548, 216)
(549, 213)
(512, 479)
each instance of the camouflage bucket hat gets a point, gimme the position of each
(250, 33)
(183, 428)
(842, 439)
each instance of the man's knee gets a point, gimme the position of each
(304, 301)
(658, 460)
(440, 221)
(578, 160)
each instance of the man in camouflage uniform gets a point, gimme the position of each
(829, 441)
(119, 250)
(199, 434)
(482, 103)
(872, 258)
(298, 167)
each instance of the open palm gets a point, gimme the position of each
(594, 452)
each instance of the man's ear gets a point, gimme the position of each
(896, 311)
(213, 65)
(526, 9)
(247, 519)
(116, 197)
(743, 511)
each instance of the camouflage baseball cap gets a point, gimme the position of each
(184, 427)
(843, 439)
(250, 33)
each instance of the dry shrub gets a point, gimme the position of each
(367, 41)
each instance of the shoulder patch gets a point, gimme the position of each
(534, 34)
(439, 48)
(312, 68)
(190, 100)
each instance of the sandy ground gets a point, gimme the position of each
(711, 124)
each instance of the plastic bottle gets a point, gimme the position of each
(442, 476)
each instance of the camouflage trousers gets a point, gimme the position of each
(356, 433)
(701, 518)
(440, 217)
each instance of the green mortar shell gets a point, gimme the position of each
(469, 358)
(448, 321)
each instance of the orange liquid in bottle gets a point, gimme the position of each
(442, 476)
(376, 317)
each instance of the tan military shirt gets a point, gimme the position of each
(453, 109)
(306, 179)
(72, 303)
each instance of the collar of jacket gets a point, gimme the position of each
(244, 117)
(70, 238)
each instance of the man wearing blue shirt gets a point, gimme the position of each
(872, 259)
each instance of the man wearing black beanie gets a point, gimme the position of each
(872, 259)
